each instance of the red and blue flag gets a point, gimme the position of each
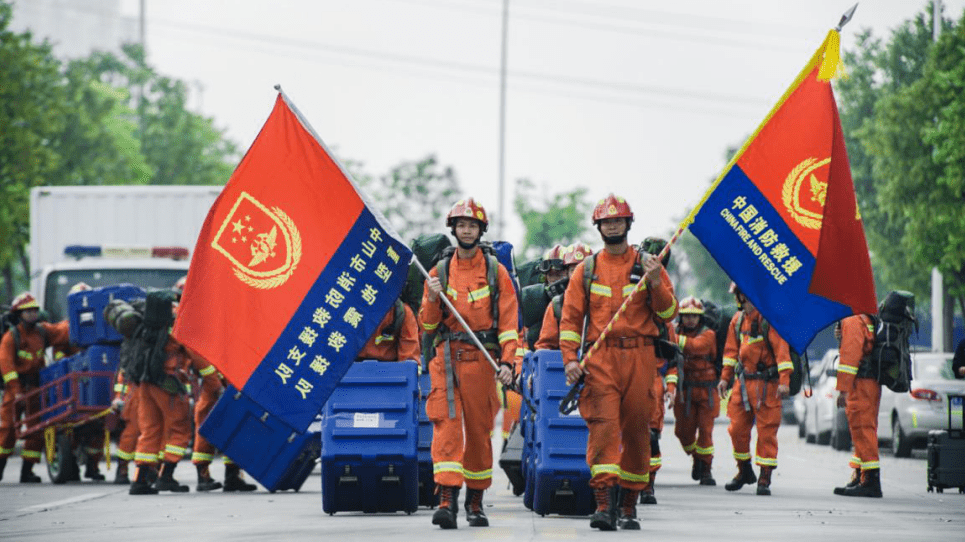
(782, 219)
(292, 272)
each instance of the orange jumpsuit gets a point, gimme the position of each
(699, 404)
(404, 345)
(661, 385)
(763, 372)
(203, 452)
(127, 442)
(863, 389)
(549, 334)
(21, 373)
(463, 414)
(615, 400)
(164, 418)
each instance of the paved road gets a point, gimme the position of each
(801, 508)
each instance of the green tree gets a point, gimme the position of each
(31, 119)
(180, 147)
(915, 137)
(550, 218)
(416, 195)
(875, 70)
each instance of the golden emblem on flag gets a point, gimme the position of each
(810, 211)
(262, 244)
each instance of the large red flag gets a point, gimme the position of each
(782, 220)
(291, 274)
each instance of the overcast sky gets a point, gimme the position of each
(636, 97)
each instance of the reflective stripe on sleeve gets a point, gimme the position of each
(669, 312)
(570, 336)
(785, 366)
(847, 369)
(511, 335)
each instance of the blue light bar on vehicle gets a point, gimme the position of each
(82, 251)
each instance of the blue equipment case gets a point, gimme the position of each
(526, 420)
(370, 433)
(271, 451)
(560, 474)
(85, 312)
(427, 484)
(51, 396)
(96, 390)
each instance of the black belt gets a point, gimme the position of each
(770, 373)
(626, 343)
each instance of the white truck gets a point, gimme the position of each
(105, 235)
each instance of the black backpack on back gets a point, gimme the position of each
(890, 359)
(717, 318)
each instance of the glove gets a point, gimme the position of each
(117, 405)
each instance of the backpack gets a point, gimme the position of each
(533, 304)
(890, 358)
(797, 375)
(428, 249)
(528, 273)
(718, 319)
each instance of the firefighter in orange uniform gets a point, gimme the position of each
(203, 452)
(615, 399)
(761, 360)
(860, 395)
(21, 358)
(698, 404)
(164, 408)
(396, 338)
(463, 402)
(549, 334)
(663, 392)
(125, 404)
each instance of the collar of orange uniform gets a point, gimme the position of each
(467, 263)
(628, 256)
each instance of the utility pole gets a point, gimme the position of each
(942, 309)
(501, 223)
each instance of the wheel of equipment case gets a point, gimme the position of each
(62, 465)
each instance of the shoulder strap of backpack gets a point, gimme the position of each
(765, 331)
(397, 319)
(492, 279)
(589, 269)
(557, 302)
(16, 340)
(738, 325)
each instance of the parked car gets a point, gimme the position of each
(824, 421)
(905, 419)
(802, 399)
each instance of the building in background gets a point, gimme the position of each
(76, 28)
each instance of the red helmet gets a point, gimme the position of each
(23, 302)
(612, 207)
(467, 208)
(691, 305)
(576, 253)
(179, 285)
(552, 259)
(79, 287)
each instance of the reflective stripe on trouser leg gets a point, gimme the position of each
(617, 414)
(864, 401)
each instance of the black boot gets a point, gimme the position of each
(628, 510)
(647, 496)
(122, 477)
(27, 475)
(3, 465)
(764, 481)
(474, 509)
(870, 485)
(445, 515)
(697, 471)
(234, 480)
(745, 475)
(706, 477)
(142, 482)
(166, 481)
(855, 480)
(92, 470)
(605, 517)
(205, 481)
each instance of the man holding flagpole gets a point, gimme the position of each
(463, 402)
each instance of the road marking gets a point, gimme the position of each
(55, 504)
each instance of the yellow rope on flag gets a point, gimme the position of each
(832, 56)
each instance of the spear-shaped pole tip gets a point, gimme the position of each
(846, 17)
